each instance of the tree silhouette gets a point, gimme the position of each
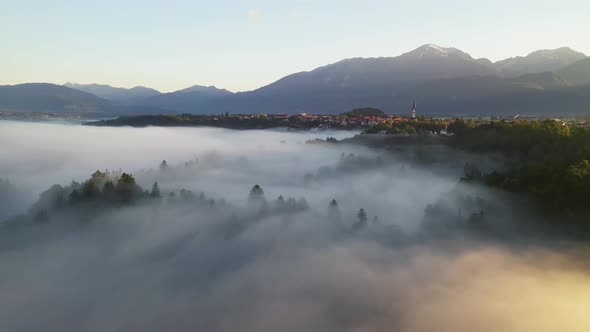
(75, 197)
(90, 190)
(362, 215)
(155, 193)
(334, 212)
(362, 220)
(52, 199)
(256, 193)
(127, 190)
(108, 192)
(186, 194)
(163, 165)
(99, 177)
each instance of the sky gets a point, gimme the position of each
(243, 45)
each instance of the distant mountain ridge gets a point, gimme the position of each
(472, 86)
(53, 98)
(186, 100)
(45, 97)
(115, 94)
(443, 80)
(577, 73)
(212, 90)
(539, 61)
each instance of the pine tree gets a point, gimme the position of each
(108, 192)
(334, 211)
(90, 190)
(163, 165)
(362, 220)
(280, 202)
(75, 197)
(362, 215)
(256, 193)
(127, 190)
(155, 193)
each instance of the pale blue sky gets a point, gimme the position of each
(242, 45)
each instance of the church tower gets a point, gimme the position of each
(414, 109)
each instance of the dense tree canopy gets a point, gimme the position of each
(419, 126)
(551, 160)
(365, 111)
(256, 193)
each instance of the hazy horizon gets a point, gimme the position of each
(243, 46)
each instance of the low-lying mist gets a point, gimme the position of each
(427, 252)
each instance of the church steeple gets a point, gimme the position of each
(414, 109)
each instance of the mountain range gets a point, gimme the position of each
(444, 81)
(115, 94)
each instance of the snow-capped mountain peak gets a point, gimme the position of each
(432, 50)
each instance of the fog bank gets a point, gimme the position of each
(300, 256)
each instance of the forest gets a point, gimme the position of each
(113, 190)
(548, 160)
(230, 121)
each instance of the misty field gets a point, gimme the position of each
(268, 230)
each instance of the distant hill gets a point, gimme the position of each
(52, 98)
(539, 61)
(577, 73)
(192, 99)
(208, 90)
(44, 97)
(185, 100)
(120, 95)
(365, 111)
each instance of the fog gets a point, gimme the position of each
(228, 262)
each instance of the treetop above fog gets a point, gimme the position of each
(365, 111)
